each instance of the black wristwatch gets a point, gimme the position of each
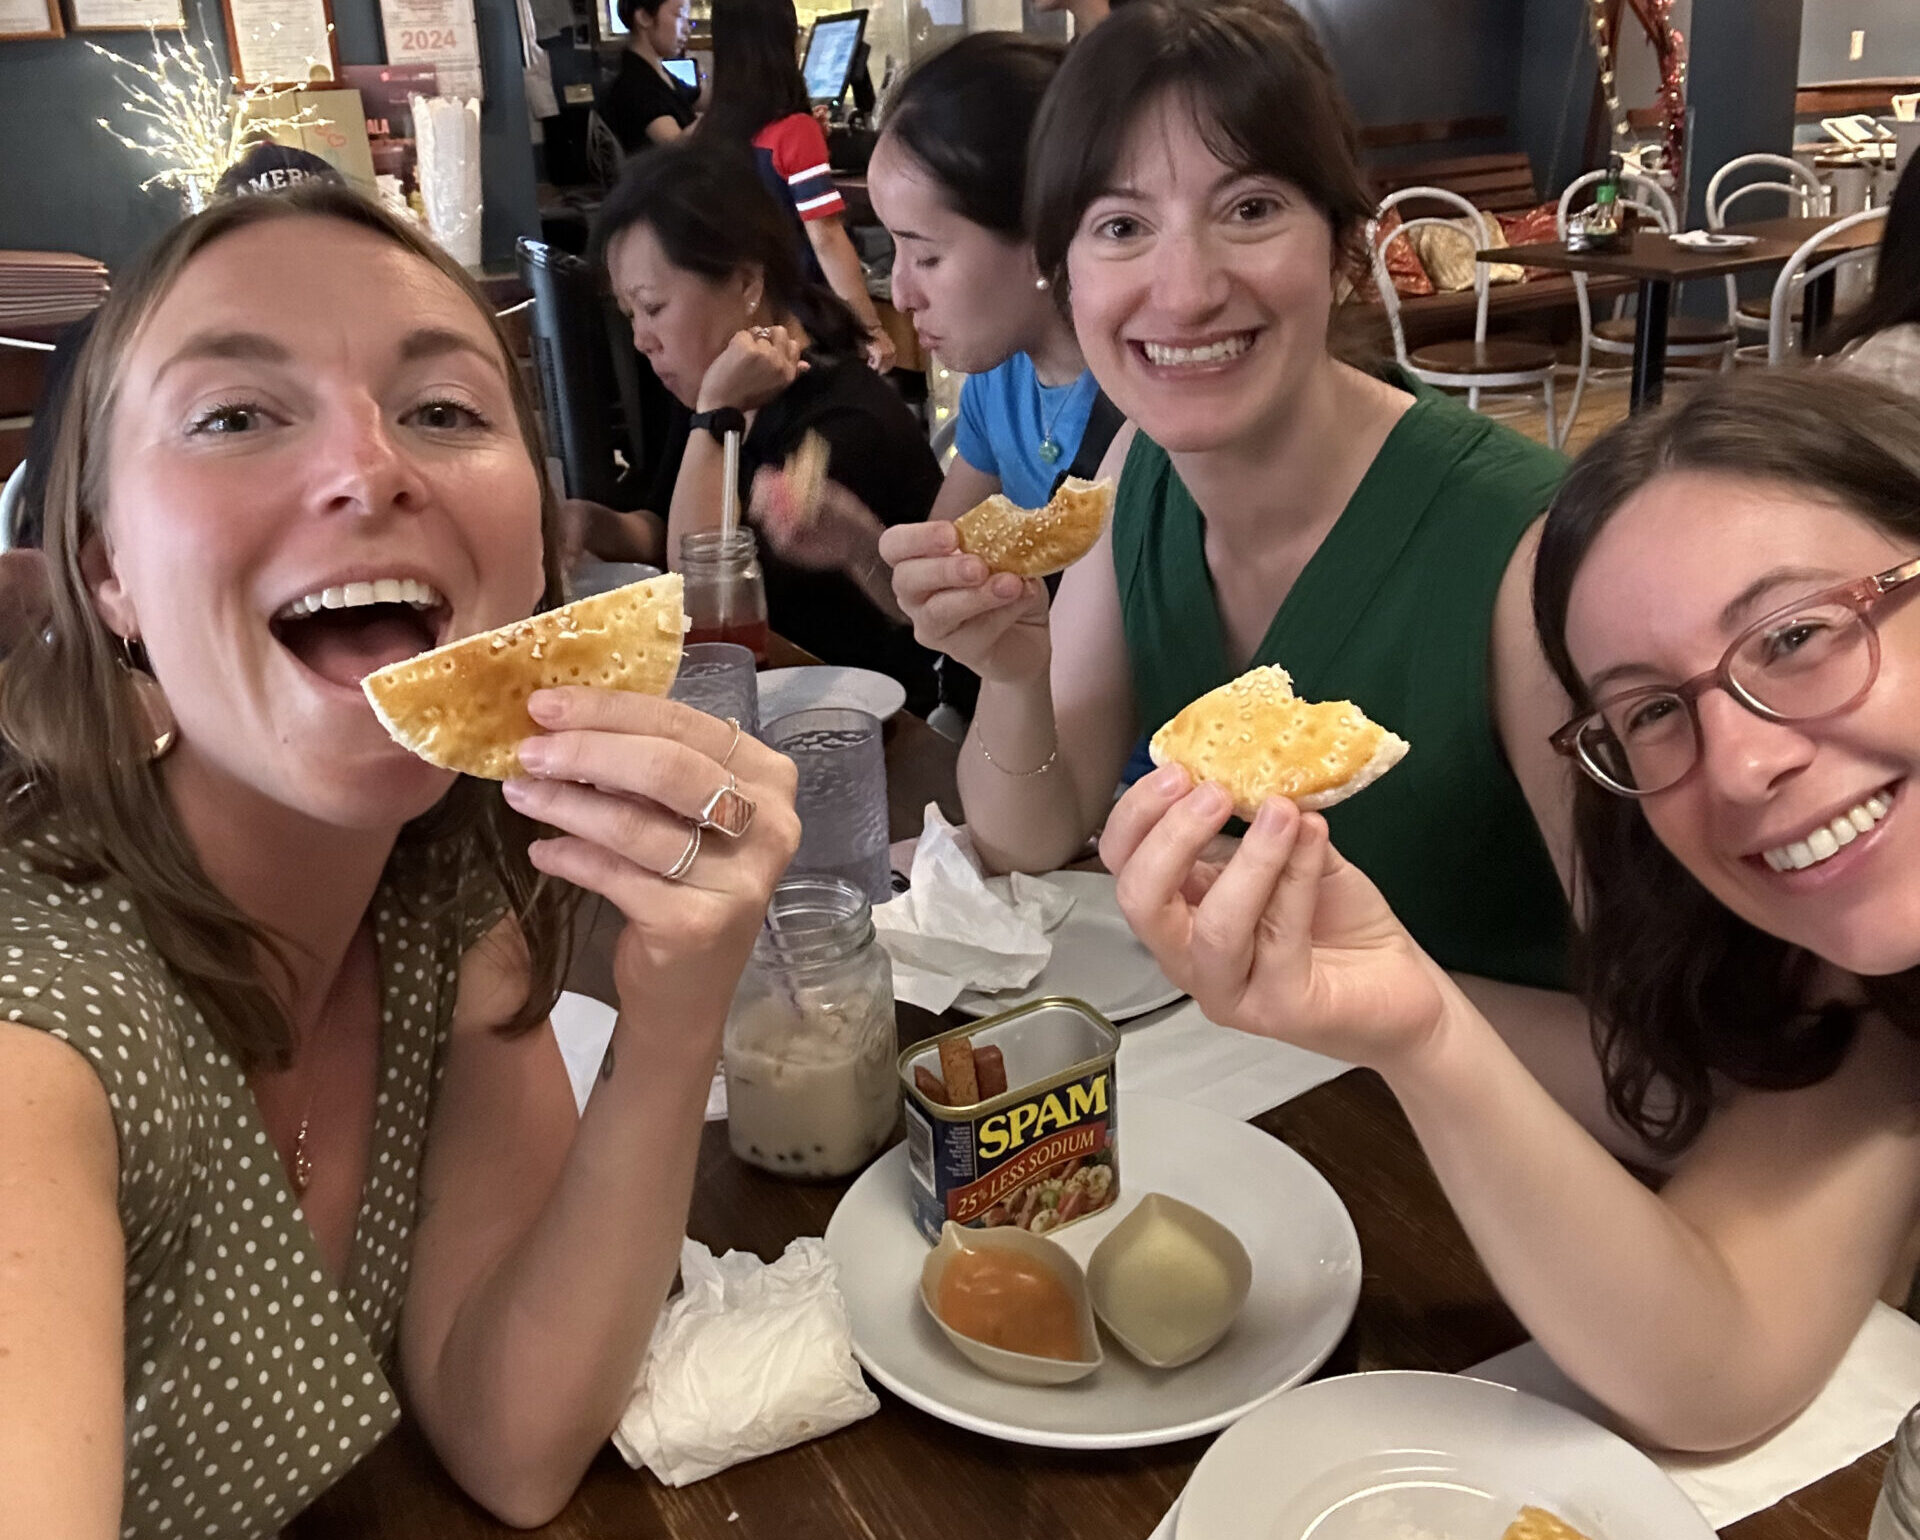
(721, 421)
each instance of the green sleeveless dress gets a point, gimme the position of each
(1394, 612)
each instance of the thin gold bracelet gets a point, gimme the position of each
(1017, 775)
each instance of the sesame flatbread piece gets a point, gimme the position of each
(1034, 542)
(463, 706)
(1538, 1524)
(1258, 739)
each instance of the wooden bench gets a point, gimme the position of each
(1501, 182)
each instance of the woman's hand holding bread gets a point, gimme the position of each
(992, 622)
(1285, 939)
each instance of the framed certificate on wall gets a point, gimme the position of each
(440, 33)
(281, 42)
(30, 18)
(126, 15)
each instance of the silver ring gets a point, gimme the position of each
(729, 811)
(734, 723)
(763, 333)
(687, 857)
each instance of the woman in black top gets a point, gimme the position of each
(645, 105)
(698, 255)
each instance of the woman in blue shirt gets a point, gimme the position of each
(948, 178)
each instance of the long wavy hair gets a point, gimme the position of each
(756, 68)
(1681, 988)
(74, 746)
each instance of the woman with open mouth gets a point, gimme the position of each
(1726, 590)
(282, 1120)
(1193, 194)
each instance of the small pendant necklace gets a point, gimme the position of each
(1049, 445)
(302, 1172)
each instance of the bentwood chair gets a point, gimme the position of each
(1688, 337)
(1483, 363)
(1805, 267)
(1780, 175)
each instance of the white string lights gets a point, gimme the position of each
(195, 120)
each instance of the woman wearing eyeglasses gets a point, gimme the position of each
(1726, 590)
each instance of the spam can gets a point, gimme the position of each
(1039, 1154)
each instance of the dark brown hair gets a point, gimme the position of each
(966, 113)
(756, 68)
(1259, 86)
(1681, 988)
(712, 215)
(75, 743)
(1895, 300)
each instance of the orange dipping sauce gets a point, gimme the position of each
(1010, 1301)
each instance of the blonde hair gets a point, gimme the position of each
(77, 746)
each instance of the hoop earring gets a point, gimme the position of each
(149, 703)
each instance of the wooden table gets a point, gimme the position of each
(1657, 263)
(1425, 1303)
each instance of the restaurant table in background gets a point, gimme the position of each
(1658, 263)
(1425, 1303)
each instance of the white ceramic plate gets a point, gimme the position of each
(784, 690)
(1411, 1454)
(1096, 958)
(1306, 1279)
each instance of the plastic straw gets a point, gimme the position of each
(729, 518)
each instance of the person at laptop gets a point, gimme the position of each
(645, 105)
(760, 99)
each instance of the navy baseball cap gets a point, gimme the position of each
(270, 168)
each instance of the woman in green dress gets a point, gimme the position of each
(1195, 198)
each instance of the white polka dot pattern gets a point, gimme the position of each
(252, 1384)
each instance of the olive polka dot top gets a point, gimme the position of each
(252, 1384)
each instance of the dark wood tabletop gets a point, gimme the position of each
(1425, 1303)
(1651, 255)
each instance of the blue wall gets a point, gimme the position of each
(1405, 61)
(65, 185)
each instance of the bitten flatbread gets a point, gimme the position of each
(1033, 542)
(1538, 1524)
(464, 706)
(1258, 739)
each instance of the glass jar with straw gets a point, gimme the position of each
(813, 1087)
(726, 595)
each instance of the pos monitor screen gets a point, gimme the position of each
(831, 48)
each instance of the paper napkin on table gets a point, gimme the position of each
(748, 1359)
(955, 929)
(1878, 1381)
(1177, 1053)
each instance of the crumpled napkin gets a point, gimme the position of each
(956, 930)
(749, 1358)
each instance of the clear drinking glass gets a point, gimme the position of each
(842, 799)
(718, 678)
(813, 1089)
(725, 594)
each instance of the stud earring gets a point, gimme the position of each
(149, 703)
(1042, 285)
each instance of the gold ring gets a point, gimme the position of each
(734, 723)
(687, 857)
(729, 811)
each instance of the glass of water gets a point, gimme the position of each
(718, 678)
(842, 798)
